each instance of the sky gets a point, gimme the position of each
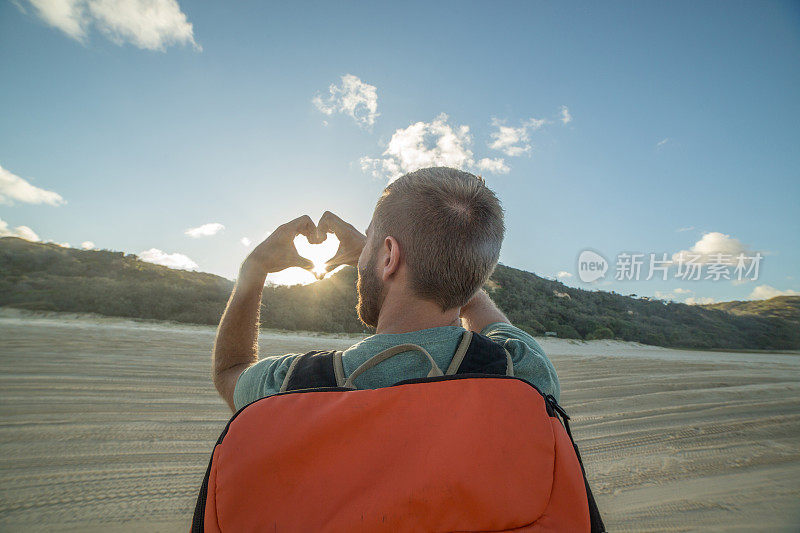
(185, 132)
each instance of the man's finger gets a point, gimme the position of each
(330, 223)
(303, 262)
(332, 266)
(334, 262)
(303, 225)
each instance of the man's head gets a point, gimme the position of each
(443, 226)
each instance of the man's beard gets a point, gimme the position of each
(370, 293)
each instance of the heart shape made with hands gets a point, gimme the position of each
(319, 254)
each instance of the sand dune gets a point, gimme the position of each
(108, 424)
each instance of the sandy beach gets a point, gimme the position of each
(107, 424)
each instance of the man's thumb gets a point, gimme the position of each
(332, 265)
(302, 262)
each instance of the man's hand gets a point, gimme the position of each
(278, 252)
(351, 241)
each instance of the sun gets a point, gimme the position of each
(318, 253)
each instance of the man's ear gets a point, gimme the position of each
(391, 257)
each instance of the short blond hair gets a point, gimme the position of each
(450, 228)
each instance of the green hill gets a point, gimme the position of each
(538, 304)
(785, 307)
(49, 277)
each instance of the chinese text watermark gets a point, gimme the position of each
(592, 266)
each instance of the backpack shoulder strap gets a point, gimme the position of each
(315, 369)
(478, 354)
(555, 410)
(388, 354)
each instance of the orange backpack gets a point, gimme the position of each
(474, 449)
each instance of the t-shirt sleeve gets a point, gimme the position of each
(530, 361)
(262, 379)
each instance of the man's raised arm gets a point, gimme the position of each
(236, 345)
(481, 311)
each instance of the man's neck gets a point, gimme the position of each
(401, 315)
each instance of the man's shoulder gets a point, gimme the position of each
(530, 361)
(264, 378)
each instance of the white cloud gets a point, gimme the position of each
(566, 117)
(87, 245)
(711, 246)
(159, 257)
(513, 142)
(664, 295)
(493, 166)
(765, 292)
(12, 188)
(563, 274)
(147, 24)
(683, 291)
(685, 228)
(23, 232)
(700, 300)
(206, 230)
(662, 142)
(353, 97)
(66, 15)
(429, 144)
(245, 241)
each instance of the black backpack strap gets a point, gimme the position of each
(483, 356)
(595, 519)
(311, 370)
(319, 368)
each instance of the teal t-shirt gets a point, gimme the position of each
(530, 362)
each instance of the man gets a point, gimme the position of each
(433, 241)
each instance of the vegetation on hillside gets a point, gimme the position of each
(538, 305)
(49, 277)
(785, 307)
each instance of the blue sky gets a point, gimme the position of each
(624, 127)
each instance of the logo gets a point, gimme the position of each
(591, 266)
